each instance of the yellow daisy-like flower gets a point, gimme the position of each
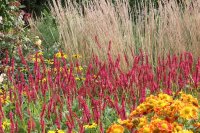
(79, 68)
(143, 121)
(89, 126)
(80, 78)
(141, 108)
(57, 69)
(44, 80)
(145, 129)
(40, 53)
(49, 61)
(65, 56)
(177, 127)
(165, 97)
(23, 70)
(76, 56)
(59, 55)
(162, 103)
(177, 104)
(34, 60)
(5, 100)
(127, 123)
(189, 99)
(5, 124)
(115, 128)
(56, 131)
(165, 126)
(189, 112)
(133, 113)
(122, 121)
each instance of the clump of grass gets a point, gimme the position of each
(89, 27)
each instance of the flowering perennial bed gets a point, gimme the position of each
(55, 95)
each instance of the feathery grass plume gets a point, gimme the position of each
(88, 28)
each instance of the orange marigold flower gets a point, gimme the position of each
(165, 126)
(115, 128)
(127, 123)
(197, 125)
(145, 129)
(143, 121)
(188, 98)
(165, 97)
(177, 127)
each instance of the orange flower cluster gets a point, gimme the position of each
(115, 128)
(164, 114)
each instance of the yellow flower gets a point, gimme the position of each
(141, 108)
(5, 100)
(2, 91)
(121, 122)
(189, 99)
(143, 121)
(76, 56)
(188, 112)
(40, 53)
(145, 129)
(132, 114)
(56, 69)
(177, 104)
(77, 78)
(81, 78)
(165, 97)
(34, 60)
(115, 128)
(59, 55)
(44, 80)
(23, 70)
(127, 123)
(162, 103)
(56, 131)
(89, 126)
(5, 124)
(51, 131)
(79, 68)
(177, 127)
(165, 126)
(49, 61)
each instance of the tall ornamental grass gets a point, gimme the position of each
(89, 27)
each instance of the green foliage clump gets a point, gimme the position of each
(13, 31)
